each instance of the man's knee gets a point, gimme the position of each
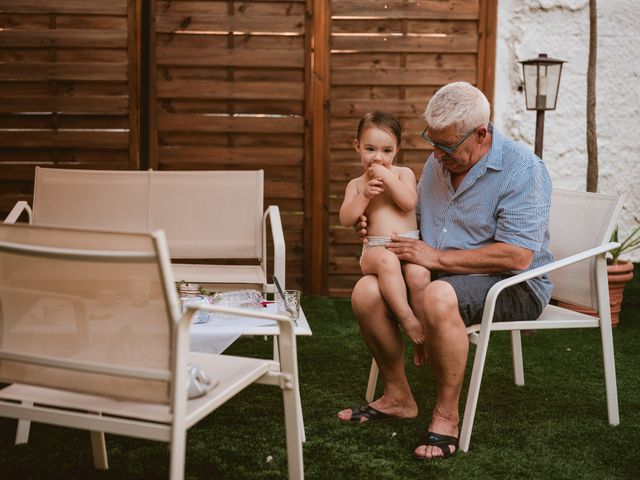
(365, 294)
(440, 302)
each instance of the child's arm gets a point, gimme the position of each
(355, 202)
(401, 187)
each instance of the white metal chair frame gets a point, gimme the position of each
(553, 317)
(80, 411)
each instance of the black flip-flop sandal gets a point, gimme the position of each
(443, 442)
(368, 412)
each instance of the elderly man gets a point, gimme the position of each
(484, 213)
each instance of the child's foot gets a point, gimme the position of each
(413, 328)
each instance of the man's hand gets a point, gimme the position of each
(415, 251)
(361, 228)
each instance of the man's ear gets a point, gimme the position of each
(482, 133)
(356, 145)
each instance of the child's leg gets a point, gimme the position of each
(417, 279)
(381, 262)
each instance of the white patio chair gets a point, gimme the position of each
(213, 215)
(104, 346)
(580, 228)
(217, 216)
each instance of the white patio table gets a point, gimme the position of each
(220, 332)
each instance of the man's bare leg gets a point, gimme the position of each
(448, 348)
(417, 278)
(382, 336)
(381, 262)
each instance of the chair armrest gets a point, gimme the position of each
(17, 210)
(279, 253)
(490, 302)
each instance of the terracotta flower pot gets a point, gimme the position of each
(618, 274)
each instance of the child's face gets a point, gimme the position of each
(376, 146)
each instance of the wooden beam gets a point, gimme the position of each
(133, 58)
(317, 146)
(487, 27)
(151, 93)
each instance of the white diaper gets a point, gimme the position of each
(383, 241)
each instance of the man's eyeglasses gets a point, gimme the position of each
(449, 149)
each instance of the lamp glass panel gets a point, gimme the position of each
(530, 85)
(552, 75)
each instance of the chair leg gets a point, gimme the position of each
(474, 391)
(303, 435)
(99, 450)
(276, 350)
(178, 453)
(610, 376)
(373, 379)
(516, 350)
(293, 428)
(276, 358)
(22, 432)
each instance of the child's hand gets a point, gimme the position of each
(374, 187)
(377, 171)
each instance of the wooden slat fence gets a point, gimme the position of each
(393, 56)
(68, 89)
(277, 85)
(229, 94)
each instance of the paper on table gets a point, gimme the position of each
(218, 334)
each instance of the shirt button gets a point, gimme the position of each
(444, 230)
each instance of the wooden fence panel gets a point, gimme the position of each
(277, 85)
(68, 89)
(392, 56)
(229, 93)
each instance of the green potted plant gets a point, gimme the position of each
(620, 271)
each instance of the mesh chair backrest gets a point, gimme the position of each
(217, 215)
(58, 304)
(579, 221)
(104, 199)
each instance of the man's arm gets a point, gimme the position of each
(495, 258)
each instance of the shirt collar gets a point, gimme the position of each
(493, 159)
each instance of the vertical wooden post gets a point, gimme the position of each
(316, 208)
(134, 18)
(486, 60)
(151, 100)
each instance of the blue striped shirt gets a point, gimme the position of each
(505, 197)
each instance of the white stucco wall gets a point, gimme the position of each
(560, 28)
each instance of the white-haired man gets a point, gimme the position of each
(484, 214)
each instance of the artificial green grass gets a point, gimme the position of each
(553, 427)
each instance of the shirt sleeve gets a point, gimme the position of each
(523, 210)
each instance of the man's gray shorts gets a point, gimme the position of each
(517, 302)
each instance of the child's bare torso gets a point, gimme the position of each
(384, 218)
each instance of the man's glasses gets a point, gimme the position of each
(449, 149)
